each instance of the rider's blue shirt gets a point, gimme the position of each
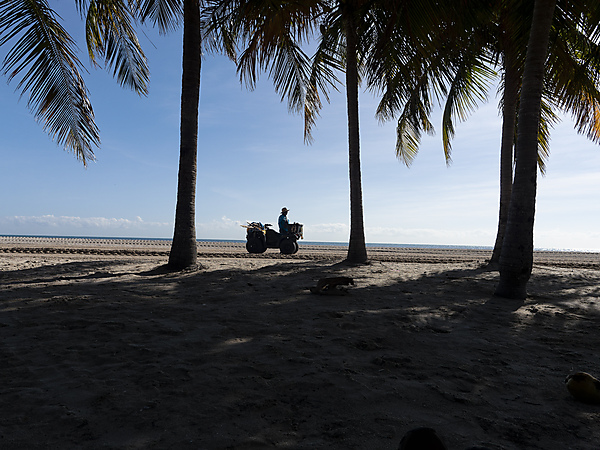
(283, 224)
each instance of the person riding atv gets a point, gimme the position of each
(283, 221)
(259, 237)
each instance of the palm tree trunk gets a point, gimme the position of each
(509, 117)
(516, 258)
(184, 252)
(357, 250)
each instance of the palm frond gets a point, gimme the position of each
(443, 59)
(273, 35)
(111, 35)
(547, 122)
(290, 73)
(469, 88)
(44, 57)
(326, 63)
(412, 122)
(574, 85)
(218, 32)
(399, 78)
(167, 14)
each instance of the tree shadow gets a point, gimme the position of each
(51, 272)
(236, 356)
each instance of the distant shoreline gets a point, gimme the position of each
(159, 248)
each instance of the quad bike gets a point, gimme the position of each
(260, 237)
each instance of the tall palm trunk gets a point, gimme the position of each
(184, 251)
(509, 115)
(357, 251)
(516, 258)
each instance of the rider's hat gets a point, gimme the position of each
(284, 210)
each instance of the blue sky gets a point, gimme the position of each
(252, 161)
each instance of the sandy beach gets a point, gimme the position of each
(103, 349)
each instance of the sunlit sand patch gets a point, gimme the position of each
(226, 345)
(564, 314)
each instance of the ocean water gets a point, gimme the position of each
(341, 244)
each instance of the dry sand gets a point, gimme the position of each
(102, 349)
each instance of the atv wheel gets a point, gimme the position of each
(288, 247)
(255, 245)
(296, 247)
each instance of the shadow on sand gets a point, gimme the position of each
(105, 354)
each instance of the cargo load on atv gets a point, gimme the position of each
(260, 237)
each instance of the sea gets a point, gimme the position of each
(341, 244)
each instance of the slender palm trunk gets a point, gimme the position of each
(184, 251)
(357, 250)
(516, 258)
(509, 116)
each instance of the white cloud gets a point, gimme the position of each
(223, 228)
(567, 239)
(335, 228)
(430, 236)
(88, 226)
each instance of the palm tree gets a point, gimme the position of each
(578, 94)
(272, 33)
(459, 68)
(516, 259)
(509, 124)
(347, 31)
(571, 85)
(44, 58)
(59, 95)
(58, 92)
(183, 249)
(353, 35)
(168, 14)
(509, 45)
(499, 35)
(357, 250)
